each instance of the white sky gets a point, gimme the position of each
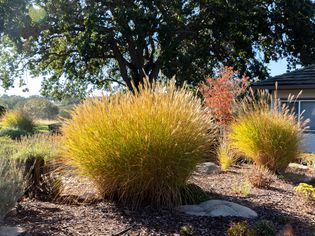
(34, 84)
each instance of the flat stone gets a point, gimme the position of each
(207, 168)
(11, 231)
(216, 208)
(193, 213)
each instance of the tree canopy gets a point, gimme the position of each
(82, 44)
(40, 108)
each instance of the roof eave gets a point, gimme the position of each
(283, 86)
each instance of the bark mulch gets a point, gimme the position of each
(279, 204)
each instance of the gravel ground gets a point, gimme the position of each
(280, 204)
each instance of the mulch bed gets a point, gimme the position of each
(279, 204)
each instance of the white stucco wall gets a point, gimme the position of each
(306, 93)
(308, 144)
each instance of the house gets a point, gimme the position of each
(293, 83)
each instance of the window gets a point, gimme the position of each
(293, 106)
(306, 108)
(309, 113)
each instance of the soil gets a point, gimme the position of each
(279, 204)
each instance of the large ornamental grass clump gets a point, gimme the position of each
(267, 132)
(142, 147)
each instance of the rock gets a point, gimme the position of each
(207, 168)
(298, 166)
(11, 231)
(218, 208)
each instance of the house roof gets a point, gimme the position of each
(298, 79)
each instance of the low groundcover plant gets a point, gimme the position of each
(307, 190)
(140, 147)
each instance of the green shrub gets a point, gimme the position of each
(54, 128)
(264, 228)
(140, 147)
(11, 184)
(13, 133)
(18, 120)
(240, 229)
(38, 151)
(270, 136)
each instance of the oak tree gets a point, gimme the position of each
(78, 45)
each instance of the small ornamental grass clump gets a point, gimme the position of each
(260, 177)
(227, 156)
(18, 120)
(39, 152)
(142, 147)
(11, 184)
(269, 134)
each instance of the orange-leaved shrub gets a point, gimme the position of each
(140, 147)
(267, 132)
(221, 94)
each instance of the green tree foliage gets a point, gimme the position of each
(82, 44)
(41, 108)
(12, 102)
(38, 107)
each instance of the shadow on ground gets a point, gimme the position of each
(51, 219)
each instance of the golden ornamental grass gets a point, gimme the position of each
(267, 132)
(226, 155)
(142, 147)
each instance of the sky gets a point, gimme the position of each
(34, 84)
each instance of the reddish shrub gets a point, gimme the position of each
(221, 92)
